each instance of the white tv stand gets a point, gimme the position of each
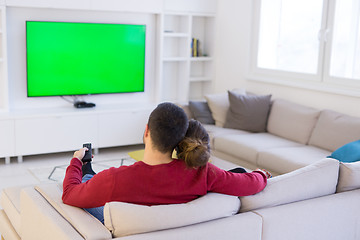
(30, 132)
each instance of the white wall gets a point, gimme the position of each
(233, 41)
(16, 18)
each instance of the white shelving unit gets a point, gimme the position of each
(182, 76)
(202, 67)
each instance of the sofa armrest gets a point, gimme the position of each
(39, 220)
(84, 223)
(6, 228)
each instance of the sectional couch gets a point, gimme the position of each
(293, 135)
(314, 202)
(313, 197)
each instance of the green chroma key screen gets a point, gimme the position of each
(65, 58)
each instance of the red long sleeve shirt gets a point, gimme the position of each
(155, 185)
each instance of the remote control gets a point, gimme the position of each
(88, 154)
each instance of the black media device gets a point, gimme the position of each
(88, 154)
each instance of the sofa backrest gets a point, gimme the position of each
(292, 121)
(315, 180)
(124, 219)
(334, 130)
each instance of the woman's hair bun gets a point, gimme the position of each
(194, 152)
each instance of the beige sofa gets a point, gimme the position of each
(315, 198)
(314, 202)
(295, 136)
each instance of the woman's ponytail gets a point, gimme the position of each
(194, 149)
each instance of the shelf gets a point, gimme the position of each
(174, 59)
(175, 35)
(201, 58)
(200, 79)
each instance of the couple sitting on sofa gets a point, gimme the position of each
(159, 179)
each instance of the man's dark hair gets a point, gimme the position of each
(168, 124)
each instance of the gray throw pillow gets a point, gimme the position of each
(248, 112)
(201, 112)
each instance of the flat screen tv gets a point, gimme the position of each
(70, 58)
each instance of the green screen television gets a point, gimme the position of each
(70, 58)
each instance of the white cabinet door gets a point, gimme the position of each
(7, 138)
(54, 134)
(122, 128)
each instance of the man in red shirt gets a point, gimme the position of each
(158, 179)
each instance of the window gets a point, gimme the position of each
(345, 47)
(302, 40)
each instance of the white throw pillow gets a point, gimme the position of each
(315, 180)
(349, 176)
(124, 219)
(219, 105)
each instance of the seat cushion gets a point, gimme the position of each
(292, 121)
(334, 130)
(284, 160)
(316, 180)
(247, 146)
(215, 131)
(10, 202)
(124, 219)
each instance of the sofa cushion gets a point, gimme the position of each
(215, 131)
(10, 202)
(248, 112)
(284, 160)
(334, 130)
(348, 153)
(349, 176)
(87, 225)
(219, 106)
(247, 146)
(124, 219)
(292, 121)
(201, 112)
(315, 180)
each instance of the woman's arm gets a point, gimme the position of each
(237, 184)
